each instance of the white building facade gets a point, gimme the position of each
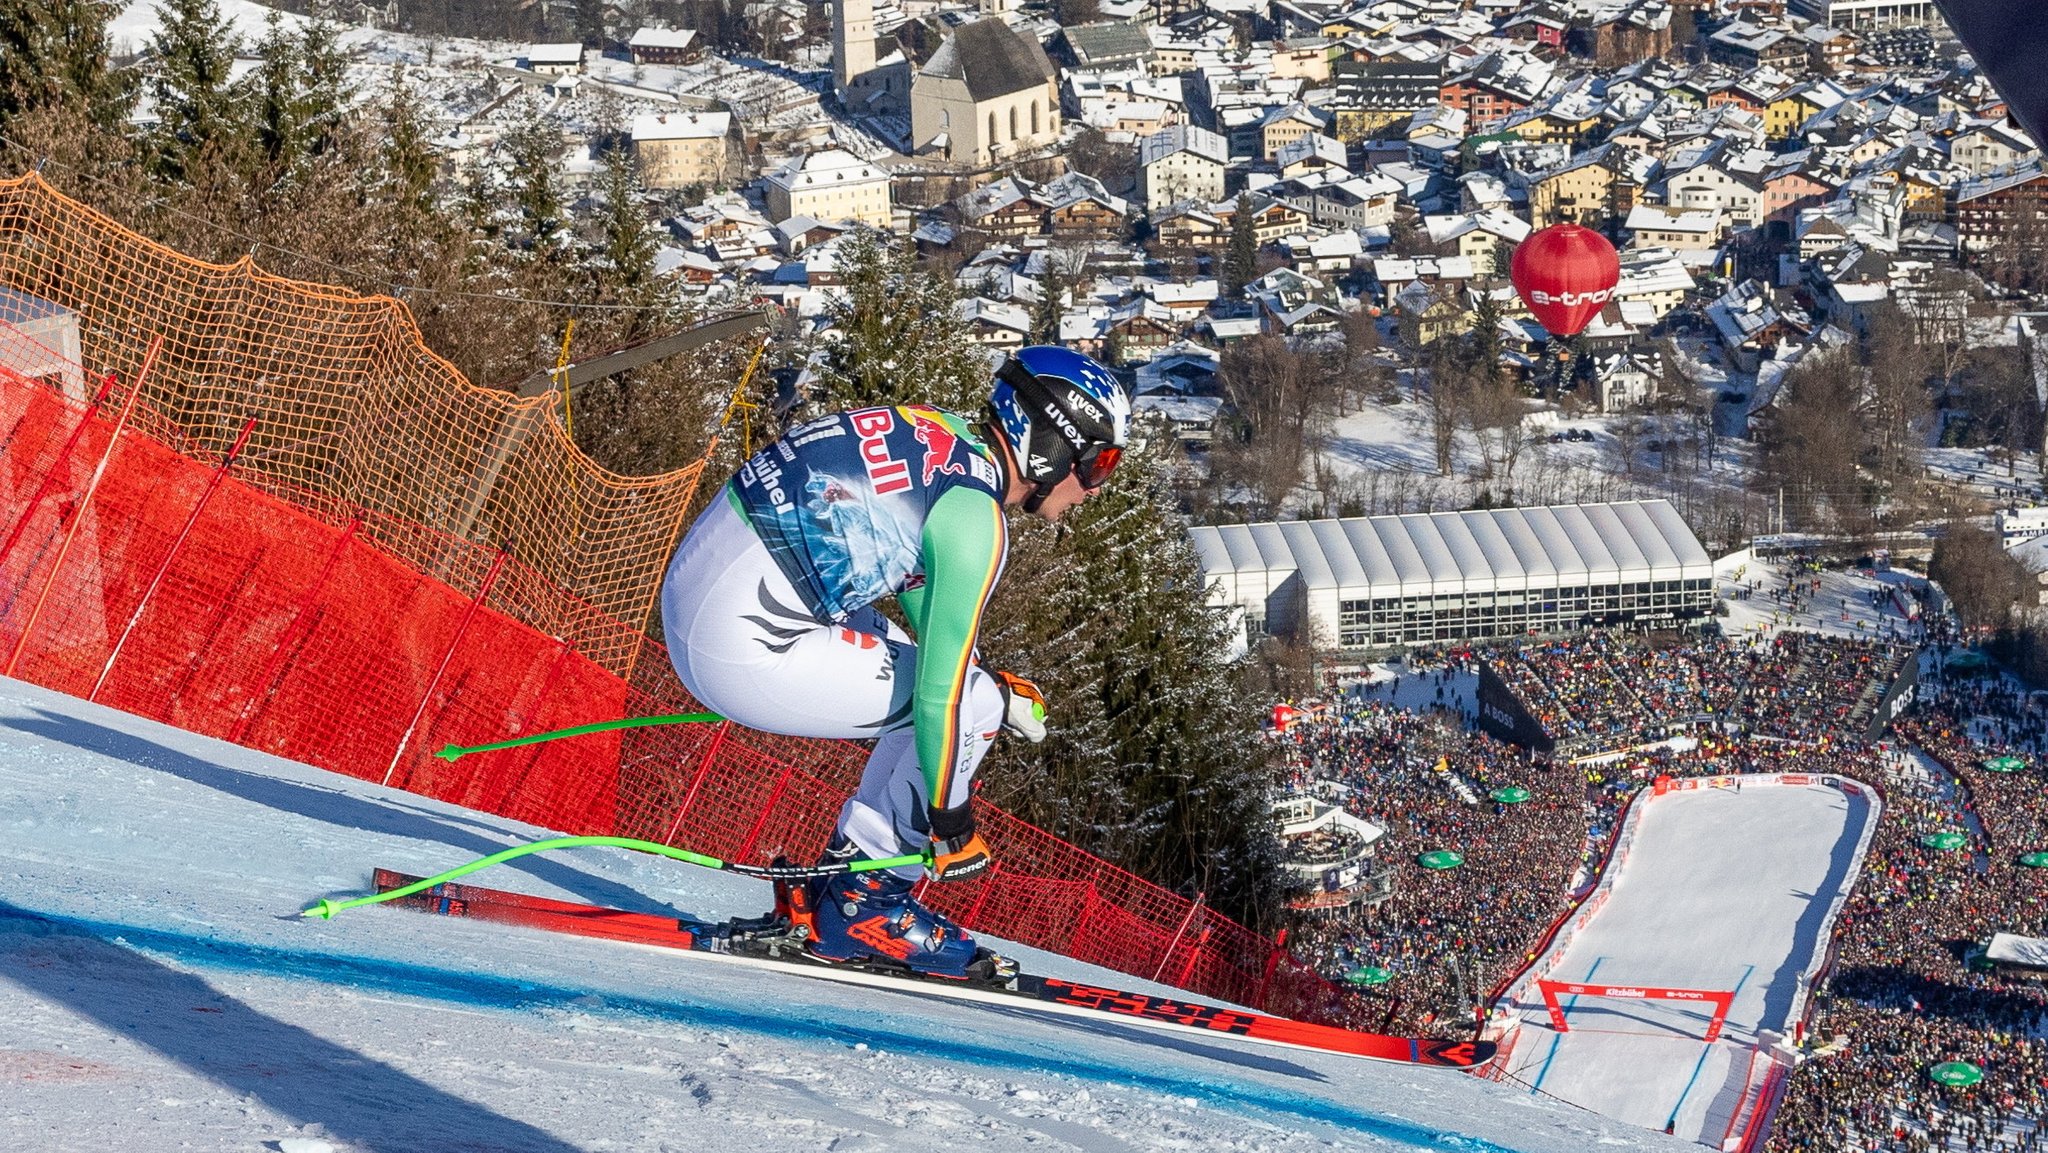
(1388, 581)
(829, 186)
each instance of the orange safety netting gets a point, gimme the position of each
(324, 594)
(354, 412)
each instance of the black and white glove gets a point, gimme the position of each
(1023, 707)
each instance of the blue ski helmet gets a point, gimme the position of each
(1063, 413)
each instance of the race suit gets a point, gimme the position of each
(768, 606)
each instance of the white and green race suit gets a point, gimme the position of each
(768, 606)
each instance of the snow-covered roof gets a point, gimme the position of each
(1452, 552)
(831, 166)
(681, 125)
(662, 38)
(557, 54)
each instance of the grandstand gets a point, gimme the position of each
(1604, 692)
(1387, 581)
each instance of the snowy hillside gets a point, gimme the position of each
(157, 991)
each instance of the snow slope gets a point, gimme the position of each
(158, 991)
(1723, 889)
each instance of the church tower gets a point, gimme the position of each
(853, 44)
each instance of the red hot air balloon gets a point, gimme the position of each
(1566, 274)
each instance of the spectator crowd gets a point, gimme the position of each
(1903, 989)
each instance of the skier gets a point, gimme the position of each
(769, 611)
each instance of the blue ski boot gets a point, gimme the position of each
(872, 918)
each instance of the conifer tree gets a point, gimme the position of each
(196, 106)
(1052, 306)
(1154, 760)
(1241, 262)
(535, 148)
(54, 52)
(629, 245)
(900, 339)
(412, 164)
(279, 112)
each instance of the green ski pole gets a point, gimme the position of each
(327, 908)
(454, 752)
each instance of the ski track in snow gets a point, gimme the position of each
(1690, 909)
(158, 990)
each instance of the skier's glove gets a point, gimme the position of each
(958, 852)
(1023, 707)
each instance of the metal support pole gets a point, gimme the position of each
(289, 639)
(92, 489)
(767, 810)
(483, 592)
(697, 782)
(63, 457)
(1194, 908)
(220, 473)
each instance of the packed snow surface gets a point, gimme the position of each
(159, 991)
(1723, 890)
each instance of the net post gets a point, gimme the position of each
(220, 473)
(483, 592)
(156, 345)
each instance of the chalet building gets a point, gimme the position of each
(1004, 208)
(665, 46)
(1989, 214)
(1368, 96)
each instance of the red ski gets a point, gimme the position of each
(754, 944)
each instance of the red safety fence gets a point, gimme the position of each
(136, 569)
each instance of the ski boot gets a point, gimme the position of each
(871, 919)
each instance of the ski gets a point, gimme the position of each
(760, 942)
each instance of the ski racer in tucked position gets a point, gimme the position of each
(769, 611)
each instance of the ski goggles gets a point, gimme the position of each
(1093, 466)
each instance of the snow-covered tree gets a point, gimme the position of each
(54, 52)
(196, 106)
(899, 338)
(1155, 760)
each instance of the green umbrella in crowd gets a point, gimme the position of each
(2034, 860)
(1511, 795)
(1944, 840)
(1440, 859)
(2005, 764)
(1955, 1074)
(1368, 975)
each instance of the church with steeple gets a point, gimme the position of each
(869, 76)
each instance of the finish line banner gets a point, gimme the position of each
(1720, 999)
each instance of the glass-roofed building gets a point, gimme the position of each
(1386, 581)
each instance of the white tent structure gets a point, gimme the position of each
(1382, 581)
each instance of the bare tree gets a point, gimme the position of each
(1812, 444)
(1981, 579)
(1446, 397)
(1281, 394)
(1896, 364)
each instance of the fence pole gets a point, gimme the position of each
(988, 885)
(703, 768)
(1194, 908)
(761, 822)
(289, 639)
(1195, 948)
(92, 488)
(1272, 966)
(547, 691)
(50, 477)
(475, 606)
(163, 570)
(1089, 900)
